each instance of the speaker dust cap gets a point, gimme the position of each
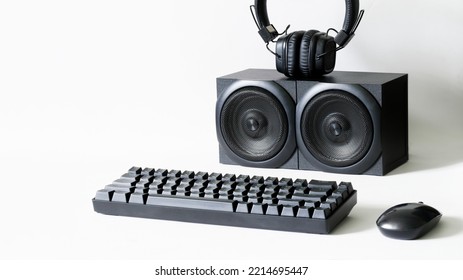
(338, 128)
(255, 123)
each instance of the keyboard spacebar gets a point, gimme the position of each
(205, 204)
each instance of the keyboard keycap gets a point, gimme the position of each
(119, 196)
(241, 207)
(304, 212)
(105, 194)
(321, 213)
(139, 198)
(135, 170)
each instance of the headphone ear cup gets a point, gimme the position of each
(317, 54)
(325, 55)
(287, 50)
(306, 55)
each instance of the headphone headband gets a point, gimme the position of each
(351, 20)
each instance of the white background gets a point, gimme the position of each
(90, 88)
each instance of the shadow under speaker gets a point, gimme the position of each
(345, 122)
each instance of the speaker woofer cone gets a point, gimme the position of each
(254, 124)
(336, 128)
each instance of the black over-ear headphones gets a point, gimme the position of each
(304, 54)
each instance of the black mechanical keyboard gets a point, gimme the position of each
(226, 199)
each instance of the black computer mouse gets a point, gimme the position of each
(408, 220)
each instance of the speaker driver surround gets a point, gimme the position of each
(338, 128)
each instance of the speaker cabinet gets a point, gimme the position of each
(255, 119)
(351, 122)
(345, 122)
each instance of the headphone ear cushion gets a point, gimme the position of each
(307, 53)
(287, 53)
(292, 60)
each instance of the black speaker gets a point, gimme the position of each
(345, 122)
(255, 119)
